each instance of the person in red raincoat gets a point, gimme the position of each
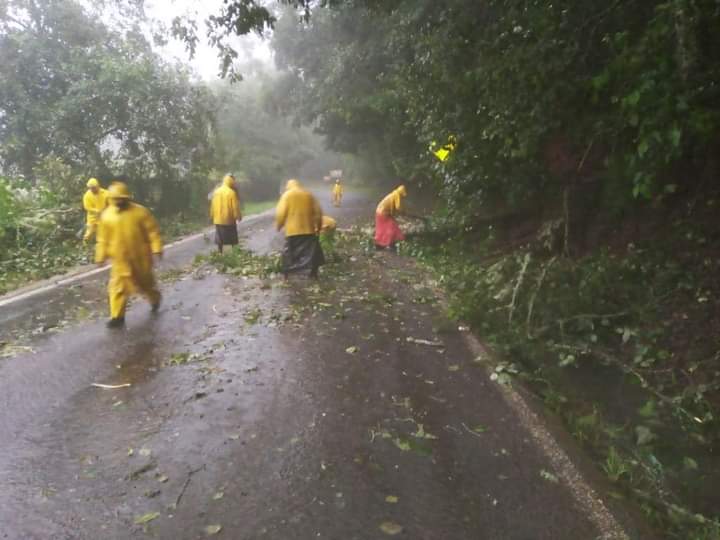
(387, 230)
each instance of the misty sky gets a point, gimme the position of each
(206, 61)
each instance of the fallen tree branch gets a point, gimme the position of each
(566, 219)
(186, 484)
(584, 316)
(470, 431)
(531, 304)
(613, 360)
(518, 284)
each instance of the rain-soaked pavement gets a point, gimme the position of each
(348, 409)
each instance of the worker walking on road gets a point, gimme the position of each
(225, 213)
(128, 235)
(299, 213)
(94, 202)
(387, 230)
(337, 193)
(327, 237)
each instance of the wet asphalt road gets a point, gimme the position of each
(250, 412)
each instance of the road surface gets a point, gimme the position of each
(348, 409)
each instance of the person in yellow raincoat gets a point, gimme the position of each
(337, 193)
(94, 202)
(327, 225)
(299, 213)
(387, 230)
(128, 235)
(225, 213)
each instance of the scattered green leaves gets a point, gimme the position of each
(146, 518)
(391, 528)
(212, 530)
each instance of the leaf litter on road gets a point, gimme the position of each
(422, 434)
(8, 351)
(137, 473)
(391, 528)
(550, 477)
(426, 342)
(146, 518)
(178, 359)
(212, 530)
(402, 444)
(111, 386)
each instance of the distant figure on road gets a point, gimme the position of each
(299, 213)
(225, 213)
(337, 193)
(387, 230)
(128, 235)
(94, 202)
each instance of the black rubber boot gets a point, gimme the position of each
(116, 323)
(156, 306)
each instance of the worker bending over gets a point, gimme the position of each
(299, 213)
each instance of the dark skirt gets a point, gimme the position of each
(302, 252)
(226, 235)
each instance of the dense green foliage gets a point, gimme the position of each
(539, 95)
(100, 99)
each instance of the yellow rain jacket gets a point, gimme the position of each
(225, 207)
(337, 193)
(298, 211)
(129, 238)
(94, 204)
(392, 203)
(443, 153)
(328, 224)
